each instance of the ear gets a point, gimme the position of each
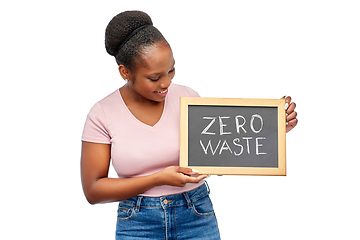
(124, 72)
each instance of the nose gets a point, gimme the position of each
(166, 82)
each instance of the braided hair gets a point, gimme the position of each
(127, 34)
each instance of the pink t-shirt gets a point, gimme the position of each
(138, 149)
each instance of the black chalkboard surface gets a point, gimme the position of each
(233, 136)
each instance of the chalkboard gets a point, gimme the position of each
(233, 136)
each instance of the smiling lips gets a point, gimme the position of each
(163, 92)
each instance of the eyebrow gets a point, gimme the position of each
(161, 73)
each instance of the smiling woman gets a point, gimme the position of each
(137, 127)
(152, 77)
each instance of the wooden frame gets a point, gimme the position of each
(185, 102)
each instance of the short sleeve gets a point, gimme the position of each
(95, 129)
(192, 93)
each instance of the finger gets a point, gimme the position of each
(291, 108)
(184, 170)
(293, 122)
(196, 179)
(291, 116)
(188, 171)
(201, 177)
(290, 125)
(287, 101)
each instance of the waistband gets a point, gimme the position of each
(170, 200)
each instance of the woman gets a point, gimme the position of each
(137, 126)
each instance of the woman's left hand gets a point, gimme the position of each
(291, 120)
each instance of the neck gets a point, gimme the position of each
(132, 98)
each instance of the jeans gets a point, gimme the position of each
(189, 215)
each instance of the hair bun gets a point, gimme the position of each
(121, 26)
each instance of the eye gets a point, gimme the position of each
(154, 79)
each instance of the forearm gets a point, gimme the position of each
(117, 189)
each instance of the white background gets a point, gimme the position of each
(54, 67)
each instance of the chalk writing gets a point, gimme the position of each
(237, 146)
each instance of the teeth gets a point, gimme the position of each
(163, 91)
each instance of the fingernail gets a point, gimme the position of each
(195, 171)
(286, 106)
(208, 176)
(287, 123)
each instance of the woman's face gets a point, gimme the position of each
(154, 74)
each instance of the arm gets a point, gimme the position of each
(98, 188)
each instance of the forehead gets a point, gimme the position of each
(157, 57)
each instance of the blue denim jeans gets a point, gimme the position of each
(189, 215)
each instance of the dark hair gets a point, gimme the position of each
(126, 36)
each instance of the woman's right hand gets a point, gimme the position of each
(99, 188)
(178, 176)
